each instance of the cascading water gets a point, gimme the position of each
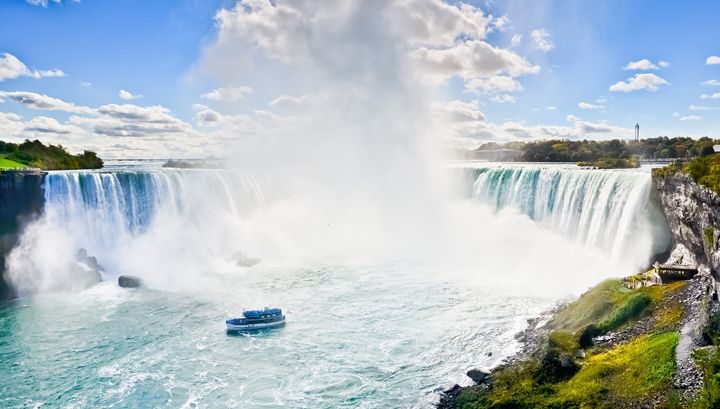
(609, 210)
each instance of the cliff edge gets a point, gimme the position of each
(21, 200)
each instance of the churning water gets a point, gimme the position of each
(380, 316)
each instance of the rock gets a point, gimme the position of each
(478, 376)
(241, 260)
(451, 389)
(580, 354)
(129, 282)
(488, 354)
(81, 277)
(693, 215)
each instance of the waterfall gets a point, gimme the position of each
(612, 210)
(180, 228)
(108, 205)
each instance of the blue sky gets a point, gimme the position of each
(166, 54)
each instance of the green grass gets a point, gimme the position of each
(592, 307)
(626, 374)
(9, 164)
(709, 360)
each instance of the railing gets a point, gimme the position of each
(20, 169)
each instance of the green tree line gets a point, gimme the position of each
(35, 154)
(562, 150)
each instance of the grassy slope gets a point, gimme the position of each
(9, 164)
(616, 377)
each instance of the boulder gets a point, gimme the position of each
(478, 376)
(129, 282)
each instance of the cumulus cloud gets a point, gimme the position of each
(712, 60)
(502, 99)
(551, 108)
(208, 117)
(664, 64)
(435, 39)
(712, 83)
(541, 41)
(128, 95)
(704, 96)
(647, 81)
(516, 39)
(11, 67)
(228, 94)
(494, 84)
(43, 102)
(436, 23)
(643, 65)
(586, 105)
(132, 121)
(691, 118)
(47, 125)
(471, 59)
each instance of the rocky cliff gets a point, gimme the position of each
(21, 200)
(693, 214)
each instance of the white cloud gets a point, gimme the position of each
(541, 41)
(33, 100)
(494, 84)
(11, 67)
(228, 94)
(585, 105)
(85, 84)
(436, 23)
(289, 103)
(502, 99)
(712, 83)
(47, 125)
(132, 121)
(712, 60)
(710, 96)
(691, 118)
(643, 64)
(43, 3)
(702, 108)
(664, 64)
(646, 81)
(551, 108)
(516, 39)
(469, 60)
(676, 114)
(208, 117)
(128, 95)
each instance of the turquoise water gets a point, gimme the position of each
(372, 337)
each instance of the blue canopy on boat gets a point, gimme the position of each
(262, 313)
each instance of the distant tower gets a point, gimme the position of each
(637, 132)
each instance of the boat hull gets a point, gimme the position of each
(255, 326)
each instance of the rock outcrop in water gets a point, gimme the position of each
(129, 282)
(21, 200)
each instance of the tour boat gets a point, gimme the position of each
(257, 319)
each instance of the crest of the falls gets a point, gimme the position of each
(181, 228)
(612, 210)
